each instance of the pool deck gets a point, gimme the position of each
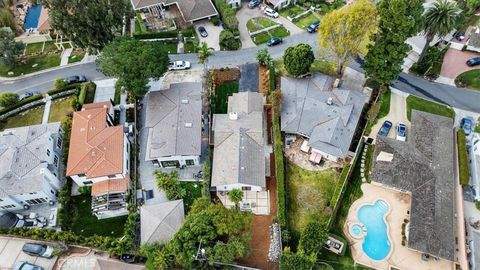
(400, 256)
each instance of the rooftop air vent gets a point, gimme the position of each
(233, 116)
(329, 101)
(184, 101)
(188, 125)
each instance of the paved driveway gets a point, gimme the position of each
(454, 63)
(213, 34)
(248, 78)
(11, 252)
(243, 15)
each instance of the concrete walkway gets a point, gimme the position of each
(243, 16)
(46, 112)
(65, 55)
(290, 26)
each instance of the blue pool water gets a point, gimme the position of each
(375, 243)
(357, 230)
(31, 20)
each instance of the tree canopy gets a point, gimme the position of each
(133, 62)
(298, 59)
(236, 196)
(313, 237)
(385, 57)
(7, 99)
(88, 24)
(345, 32)
(263, 57)
(9, 48)
(170, 184)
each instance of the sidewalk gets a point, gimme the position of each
(46, 112)
(65, 56)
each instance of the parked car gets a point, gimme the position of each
(179, 65)
(38, 250)
(11, 220)
(385, 129)
(467, 125)
(75, 79)
(202, 31)
(474, 61)
(254, 3)
(274, 41)
(271, 13)
(27, 95)
(459, 35)
(401, 132)
(23, 265)
(312, 28)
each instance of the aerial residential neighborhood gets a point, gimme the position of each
(240, 134)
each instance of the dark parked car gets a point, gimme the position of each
(312, 28)
(274, 41)
(254, 3)
(467, 125)
(38, 250)
(474, 61)
(22, 265)
(385, 129)
(202, 31)
(75, 79)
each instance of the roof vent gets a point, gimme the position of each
(329, 101)
(336, 83)
(188, 125)
(184, 101)
(233, 116)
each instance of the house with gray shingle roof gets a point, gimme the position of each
(174, 126)
(325, 116)
(191, 10)
(424, 167)
(239, 144)
(160, 222)
(29, 168)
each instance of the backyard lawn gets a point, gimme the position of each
(259, 23)
(194, 191)
(469, 79)
(35, 48)
(308, 196)
(31, 117)
(421, 104)
(59, 109)
(220, 99)
(41, 62)
(86, 224)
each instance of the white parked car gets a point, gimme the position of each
(179, 65)
(270, 13)
(401, 132)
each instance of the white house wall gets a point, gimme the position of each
(181, 159)
(237, 186)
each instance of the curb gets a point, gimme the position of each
(2, 79)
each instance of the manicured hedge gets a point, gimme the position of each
(65, 88)
(166, 34)
(21, 103)
(280, 172)
(462, 158)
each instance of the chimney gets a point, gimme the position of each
(329, 101)
(336, 83)
(233, 116)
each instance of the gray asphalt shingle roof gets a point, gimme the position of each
(160, 222)
(424, 166)
(191, 9)
(238, 155)
(174, 121)
(305, 111)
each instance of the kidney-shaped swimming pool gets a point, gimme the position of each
(375, 244)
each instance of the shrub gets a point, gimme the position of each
(90, 92)
(228, 41)
(216, 21)
(8, 99)
(477, 204)
(65, 212)
(273, 84)
(60, 83)
(280, 171)
(298, 59)
(153, 35)
(64, 88)
(82, 95)
(462, 158)
(228, 14)
(118, 94)
(313, 237)
(170, 184)
(21, 103)
(264, 58)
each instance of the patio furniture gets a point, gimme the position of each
(32, 215)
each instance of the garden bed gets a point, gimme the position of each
(469, 79)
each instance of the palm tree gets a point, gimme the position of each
(439, 21)
(203, 53)
(236, 196)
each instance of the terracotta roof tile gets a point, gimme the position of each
(110, 186)
(104, 104)
(95, 149)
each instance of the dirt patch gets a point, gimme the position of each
(226, 75)
(263, 79)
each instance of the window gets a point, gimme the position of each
(51, 191)
(112, 176)
(126, 161)
(247, 188)
(8, 206)
(55, 160)
(81, 175)
(170, 163)
(48, 152)
(190, 162)
(59, 142)
(87, 182)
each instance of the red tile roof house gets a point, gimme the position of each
(99, 157)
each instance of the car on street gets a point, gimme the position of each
(401, 132)
(75, 79)
(202, 31)
(38, 250)
(23, 265)
(467, 125)
(179, 65)
(27, 95)
(385, 129)
(274, 41)
(473, 62)
(254, 3)
(312, 28)
(271, 13)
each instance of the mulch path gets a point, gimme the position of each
(226, 75)
(263, 79)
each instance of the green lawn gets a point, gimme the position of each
(265, 36)
(190, 47)
(469, 79)
(259, 23)
(170, 47)
(27, 118)
(86, 224)
(220, 98)
(76, 56)
(42, 62)
(305, 21)
(291, 11)
(326, 67)
(34, 48)
(421, 104)
(308, 196)
(194, 191)
(59, 109)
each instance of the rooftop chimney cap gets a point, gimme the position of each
(330, 101)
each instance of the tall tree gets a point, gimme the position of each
(203, 53)
(313, 237)
(264, 58)
(89, 24)
(385, 57)
(170, 184)
(9, 48)
(345, 32)
(236, 196)
(440, 19)
(298, 59)
(133, 62)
